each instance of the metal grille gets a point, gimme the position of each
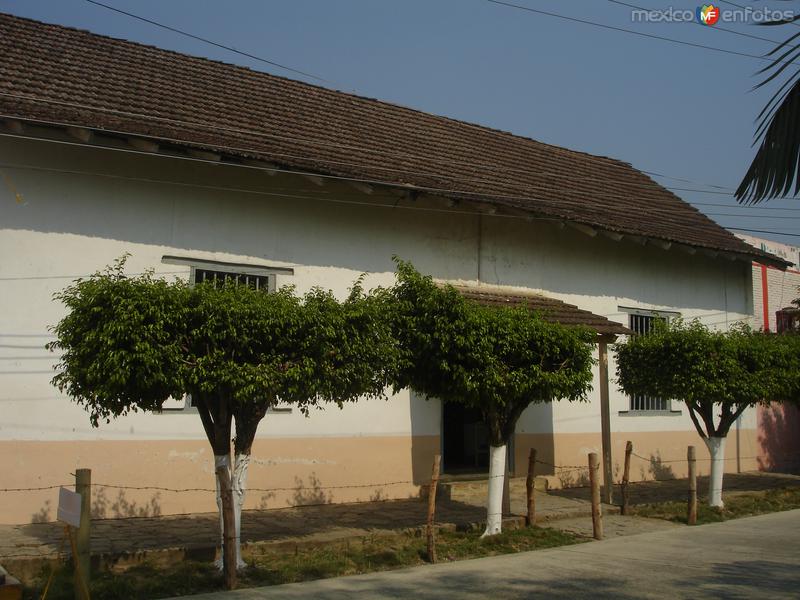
(257, 282)
(642, 325)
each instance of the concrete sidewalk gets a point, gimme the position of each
(756, 557)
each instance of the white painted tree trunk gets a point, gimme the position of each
(239, 487)
(239, 484)
(220, 460)
(497, 473)
(716, 448)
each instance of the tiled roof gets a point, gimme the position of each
(551, 309)
(56, 74)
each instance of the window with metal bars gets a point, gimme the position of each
(643, 324)
(238, 274)
(257, 282)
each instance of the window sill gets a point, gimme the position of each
(650, 413)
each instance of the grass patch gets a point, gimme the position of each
(367, 555)
(746, 504)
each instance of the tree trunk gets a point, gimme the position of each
(716, 448)
(221, 461)
(239, 487)
(497, 475)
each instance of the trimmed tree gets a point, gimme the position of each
(497, 360)
(718, 375)
(131, 343)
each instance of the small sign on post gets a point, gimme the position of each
(69, 507)
(69, 513)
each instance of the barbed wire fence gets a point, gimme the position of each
(557, 471)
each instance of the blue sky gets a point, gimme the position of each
(676, 110)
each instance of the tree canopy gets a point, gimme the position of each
(711, 371)
(498, 360)
(717, 374)
(129, 343)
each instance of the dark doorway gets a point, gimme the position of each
(465, 440)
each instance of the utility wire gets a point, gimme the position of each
(631, 31)
(763, 231)
(791, 209)
(654, 186)
(211, 42)
(305, 196)
(324, 144)
(713, 28)
(316, 77)
(318, 196)
(745, 8)
(782, 217)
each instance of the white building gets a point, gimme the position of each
(108, 147)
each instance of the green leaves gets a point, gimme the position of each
(708, 369)
(130, 343)
(499, 360)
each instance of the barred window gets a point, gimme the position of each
(643, 323)
(257, 282)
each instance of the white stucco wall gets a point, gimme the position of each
(72, 223)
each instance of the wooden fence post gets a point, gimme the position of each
(431, 534)
(626, 478)
(229, 528)
(691, 513)
(83, 541)
(530, 517)
(594, 480)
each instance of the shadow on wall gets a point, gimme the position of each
(104, 507)
(311, 494)
(317, 233)
(657, 469)
(779, 438)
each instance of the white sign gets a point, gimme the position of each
(69, 507)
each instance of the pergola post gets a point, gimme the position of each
(605, 416)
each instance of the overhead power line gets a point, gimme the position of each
(782, 217)
(210, 42)
(714, 28)
(739, 206)
(762, 231)
(571, 177)
(631, 31)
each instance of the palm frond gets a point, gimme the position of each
(774, 168)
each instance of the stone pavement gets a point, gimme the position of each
(613, 525)
(24, 549)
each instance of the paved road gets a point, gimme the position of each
(757, 557)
